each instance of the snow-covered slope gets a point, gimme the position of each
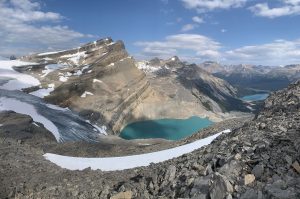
(128, 162)
(10, 104)
(13, 80)
(62, 123)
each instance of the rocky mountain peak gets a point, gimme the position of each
(174, 59)
(211, 66)
(155, 61)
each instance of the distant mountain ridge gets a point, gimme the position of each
(253, 77)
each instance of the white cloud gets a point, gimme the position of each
(197, 19)
(278, 52)
(179, 19)
(188, 27)
(223, 30)
(288, 7)
(25, 28)
(199, 47)
(207, 5)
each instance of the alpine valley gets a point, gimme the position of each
(63, 111)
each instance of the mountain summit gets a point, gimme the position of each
(105, 85)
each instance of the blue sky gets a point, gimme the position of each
(228, 31)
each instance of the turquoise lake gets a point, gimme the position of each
(255, 97)
(170, 129)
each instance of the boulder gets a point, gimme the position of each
(220, 187)
(122, 195)
(249, 178)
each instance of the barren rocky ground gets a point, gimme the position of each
(258, 160)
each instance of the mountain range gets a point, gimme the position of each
(61, 114)
(105, 85)
(252, 78)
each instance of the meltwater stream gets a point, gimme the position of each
(63, 123)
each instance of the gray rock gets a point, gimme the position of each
(229, 196)
(208, 170)
(288, 159)
(200, 187)
(249, 194)
(258, 171)
(274, 191)
(170, 174)
(231, 170)
(220, 187)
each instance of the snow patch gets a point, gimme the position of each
(97, 80)
(50, 53)
(55, 107)
(128, 162)
(49, 68)
(85, 67)
(63, 78)
(101, 129)
(47, 59)
(86, 93)
(10, 104)
(76, 57)
(112, 43)
(144, 66)
(44, 91)
(35, 124)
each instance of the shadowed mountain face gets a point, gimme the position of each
(105, 85)
(251, 79)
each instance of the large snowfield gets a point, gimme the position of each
(128, 162)
(14, 79)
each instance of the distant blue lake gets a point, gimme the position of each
(170, 129)
(255, 97)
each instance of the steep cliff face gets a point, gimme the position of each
(105, 85)
(189, 83)
(99, 80)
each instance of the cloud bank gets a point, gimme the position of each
(25, 28)
(198, 48)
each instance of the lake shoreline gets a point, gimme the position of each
(168, 128)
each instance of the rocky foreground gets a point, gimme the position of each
(259, 160)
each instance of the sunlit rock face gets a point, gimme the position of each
(101, 82)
